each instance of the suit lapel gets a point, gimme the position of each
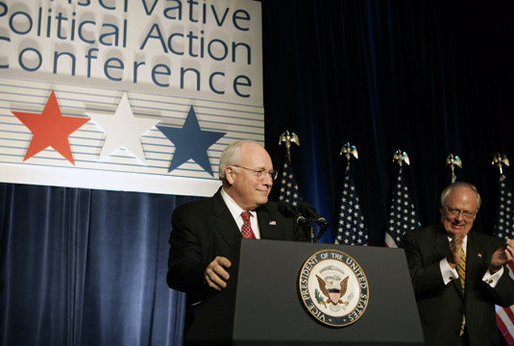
(474, 257)
(225, 224)
(440, 243)
(267, 223)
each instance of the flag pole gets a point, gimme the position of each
(351, 228)
(400, 157)
(499, 160)
(289, 191)
(503, 229)
(402, 214)
(349, 150)
(453, 161)
(288, 138)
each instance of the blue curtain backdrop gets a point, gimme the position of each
(85, 267)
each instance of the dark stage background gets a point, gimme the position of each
(83, 267)
(428, 77)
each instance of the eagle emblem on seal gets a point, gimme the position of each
(333, 290)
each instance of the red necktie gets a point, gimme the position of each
(246, 230)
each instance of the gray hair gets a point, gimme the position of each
(231, 156)
(446, 192)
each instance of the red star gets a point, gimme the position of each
(50, 129)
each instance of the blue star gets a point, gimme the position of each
(191, 142)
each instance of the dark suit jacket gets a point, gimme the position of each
(204, 229)
(441, 306)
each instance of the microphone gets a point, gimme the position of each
(310, 213)
(289, 212)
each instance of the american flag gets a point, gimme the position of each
(289, 191)
(351, 228)
(403, 216)
(504, 228)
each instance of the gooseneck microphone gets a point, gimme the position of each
(304, 224)
(310, 213)
(289, 212)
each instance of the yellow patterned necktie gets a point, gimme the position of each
(461, 269)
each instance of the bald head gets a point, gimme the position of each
(241, 165)
(459, 206)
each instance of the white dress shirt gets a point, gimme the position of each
(236, 211)
(450, 273)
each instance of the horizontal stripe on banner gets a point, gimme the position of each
(233, 121)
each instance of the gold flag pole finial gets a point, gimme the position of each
(452, 161)
(400, 157)
(288, 138)
(348, 151)
(499, 160)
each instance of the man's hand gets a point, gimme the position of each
(215, 273)
(502, 256)
(455, 246)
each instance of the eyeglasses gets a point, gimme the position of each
(261, 173)
(465, 213)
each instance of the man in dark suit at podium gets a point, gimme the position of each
(459, 274)
(205, 232)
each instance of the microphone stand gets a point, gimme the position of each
(322, 231)
(312, 234)
(307, 228)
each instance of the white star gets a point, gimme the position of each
(123, 129)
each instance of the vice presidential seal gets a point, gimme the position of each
(333, 288)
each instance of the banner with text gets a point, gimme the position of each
(139, 95)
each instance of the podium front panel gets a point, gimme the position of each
(269, 311)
